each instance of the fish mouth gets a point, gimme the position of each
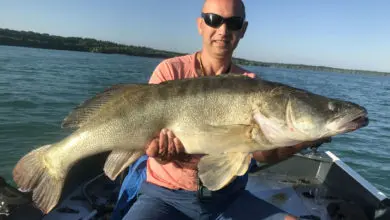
(354, 123)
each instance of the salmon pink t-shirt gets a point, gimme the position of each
(177, 175)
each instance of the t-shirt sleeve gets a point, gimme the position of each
(161, 73)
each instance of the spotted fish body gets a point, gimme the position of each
(224, 117)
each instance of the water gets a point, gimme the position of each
(39, 87)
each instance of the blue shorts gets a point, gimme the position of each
(159, 203)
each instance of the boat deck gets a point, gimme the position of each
(299, 196)
(317, 187)
(310, 186)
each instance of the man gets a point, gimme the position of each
(172, 189)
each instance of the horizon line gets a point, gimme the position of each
(173, 51)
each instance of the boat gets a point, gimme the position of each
(310, 184)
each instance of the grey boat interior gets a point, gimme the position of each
(312, 185)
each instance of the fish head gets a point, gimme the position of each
(318, 116)
(288, 116)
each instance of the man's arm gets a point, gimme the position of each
(167, 147)
(276, 155)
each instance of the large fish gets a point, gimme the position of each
(224, 117)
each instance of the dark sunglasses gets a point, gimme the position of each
(213, 20)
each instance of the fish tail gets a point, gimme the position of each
(33, 173)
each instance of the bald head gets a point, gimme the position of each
(237, 6)
(221, 36)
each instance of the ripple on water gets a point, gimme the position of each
(19, 104)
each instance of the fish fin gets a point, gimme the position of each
(277, 133)
(217, 139)
(118, 161)
(89, 108)
(31, 173)
(216, 171)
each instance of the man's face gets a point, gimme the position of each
(221, 41)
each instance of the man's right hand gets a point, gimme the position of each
(166, 148)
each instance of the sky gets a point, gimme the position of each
(352, 34)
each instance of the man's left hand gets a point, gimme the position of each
(278, 154)
(312, 144)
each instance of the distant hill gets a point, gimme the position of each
(38, 40)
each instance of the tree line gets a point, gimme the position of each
(41, 40)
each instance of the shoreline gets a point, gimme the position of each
(31, 39)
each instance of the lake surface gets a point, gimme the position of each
(38, 88)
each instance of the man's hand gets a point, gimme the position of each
(315, 143)
(167, 147)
